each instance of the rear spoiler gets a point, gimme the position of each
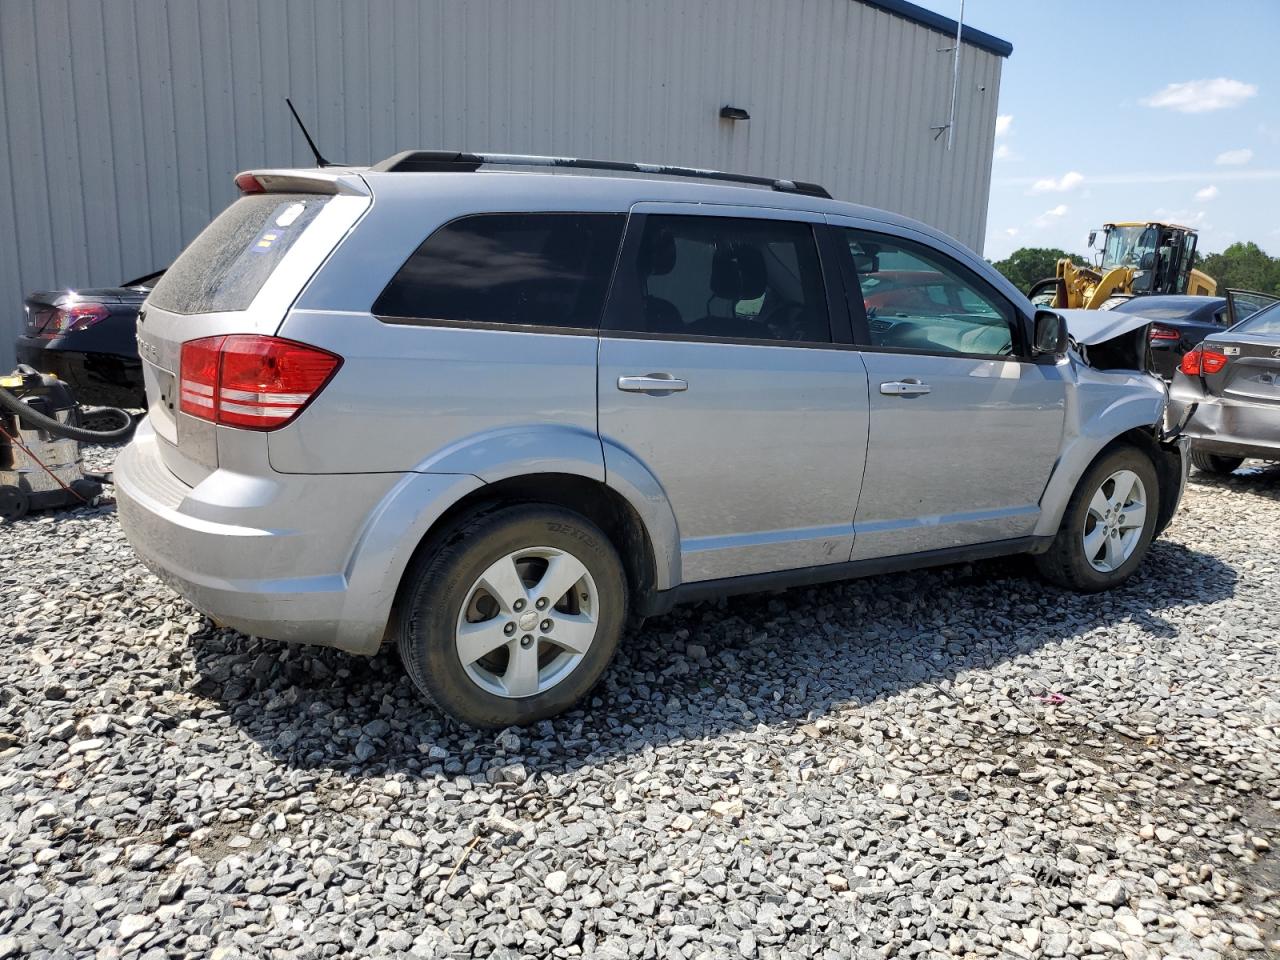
(331, 180)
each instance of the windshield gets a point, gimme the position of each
(1126, 246)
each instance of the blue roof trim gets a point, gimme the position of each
(937, 21)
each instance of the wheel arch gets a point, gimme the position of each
(1168, 459)
(599, 502)
(1170, 462)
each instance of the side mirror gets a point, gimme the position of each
(1093, 235)
(1050, 337)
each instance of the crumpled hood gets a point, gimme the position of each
(1093, 327)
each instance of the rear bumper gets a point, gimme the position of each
(1235, 428)
(103, 379)
(1230, 448)
(289, 557)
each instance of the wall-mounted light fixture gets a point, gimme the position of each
(733, 113)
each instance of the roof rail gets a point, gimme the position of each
(446, 161)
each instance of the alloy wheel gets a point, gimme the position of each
(1114, 522)
(527, 622)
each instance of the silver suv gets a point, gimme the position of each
(492, 407)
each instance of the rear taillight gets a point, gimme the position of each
(1159, 332)
(69, 318)
(248, 183)
(259, 383)
(198, 377)
(1201, 361)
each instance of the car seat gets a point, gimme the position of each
(737, 273)
(658, 258)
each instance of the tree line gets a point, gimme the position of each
(1242, 266)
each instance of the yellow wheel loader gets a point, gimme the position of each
(1137, 258)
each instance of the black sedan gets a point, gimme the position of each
(89, 339)
(1230, 386)
(1179, 322)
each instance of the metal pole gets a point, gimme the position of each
(955, 79)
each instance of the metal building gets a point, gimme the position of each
(125, 120)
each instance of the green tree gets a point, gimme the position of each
(1243, 266)
(1028, 265)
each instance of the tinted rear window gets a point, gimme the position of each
(1266, 322)
(540, 269)
(226, 266)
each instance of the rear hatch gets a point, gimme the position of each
(240, 275)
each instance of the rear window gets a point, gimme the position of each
(534, 269)
(226, 266)
(1265, 322)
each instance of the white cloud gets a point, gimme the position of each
(1068, 181)
(1003, 122)
(1200, 96)
(1234, 158)
(1003, 152)
(1188, 218)
(1208, 193)
(1013, 231)
(1152, 176)
(1050, 216)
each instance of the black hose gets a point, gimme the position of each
(38, 420)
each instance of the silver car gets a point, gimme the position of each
(492, 408)
(1230, 387)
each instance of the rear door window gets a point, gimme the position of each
(527, 269)
(725, 278)
(226, 266)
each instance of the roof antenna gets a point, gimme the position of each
(320, 160)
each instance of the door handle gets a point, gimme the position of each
(905, 388)
(653, 383)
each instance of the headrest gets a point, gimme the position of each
(657, 254)
(738, 272)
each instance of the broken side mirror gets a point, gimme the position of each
(1050, 335)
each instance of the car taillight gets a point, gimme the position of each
(248, 183)
(198, 377)
(242, 380)
(1159, 332)
(70, 318)
(1200, 361)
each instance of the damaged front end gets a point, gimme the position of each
(1119, 395)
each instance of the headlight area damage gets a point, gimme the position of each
(1119, 395)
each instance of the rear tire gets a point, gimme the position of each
(1214, 463)
(1100, 543)
(481, 642)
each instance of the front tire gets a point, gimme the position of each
(1214, 463)
(515, 617)
(1108, 524)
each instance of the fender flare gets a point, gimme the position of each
(408, 513)
(518, 450)
(627, 475)
(528, 449)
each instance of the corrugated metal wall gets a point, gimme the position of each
(124, 120)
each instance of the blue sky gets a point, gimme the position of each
(1164, 109)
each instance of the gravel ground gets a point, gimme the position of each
(962, 762)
